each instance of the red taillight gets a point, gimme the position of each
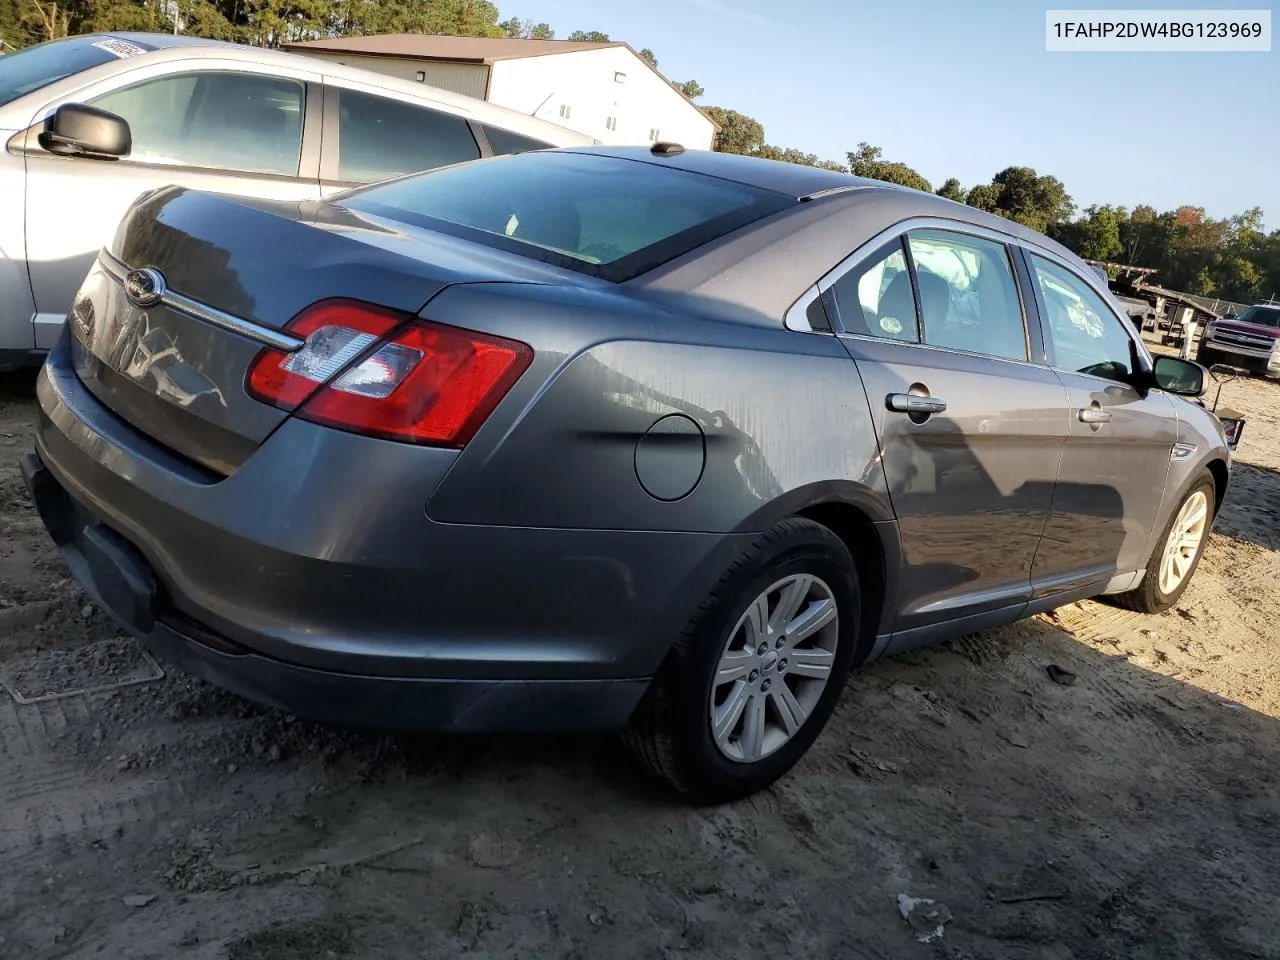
(368, 371)
(336, 331)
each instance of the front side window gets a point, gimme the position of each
(968, 297)
(875, 299)
(380, 138)
(604, 216)
(225, 121)
(1086, 336)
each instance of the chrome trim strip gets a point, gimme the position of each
(211, 315)
(925, 222)
(1182, 451)
(834, 191)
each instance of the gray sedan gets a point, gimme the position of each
(605, 438)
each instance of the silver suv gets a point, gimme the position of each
(208, 115)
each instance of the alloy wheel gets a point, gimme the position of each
(773, 668)
(1185, 539)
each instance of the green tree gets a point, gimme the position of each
(951, 190)
(984, 196)
(1236, 278)
(792, 155)
(1096, 235)
(690, 88)
(1030, 199)
(648, 57)
(35, 21)
(526, 29)
(866, 162)
(17, 25)
(590, 36)
(738, 132)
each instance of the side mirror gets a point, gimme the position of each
(78, 130)
(1179, 376)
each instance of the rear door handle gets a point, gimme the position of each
(1094, 415)
(914, 403)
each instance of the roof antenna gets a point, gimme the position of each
(664, 148)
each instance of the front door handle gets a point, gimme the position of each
(1094, 415)
(914, 403)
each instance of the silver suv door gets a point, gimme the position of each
(970, 427)
(226, 127)
(1117, 459)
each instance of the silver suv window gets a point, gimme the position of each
(968, 297)
(1086, 336)
(380, 138)
(225, 121)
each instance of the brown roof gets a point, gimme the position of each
(429, 46)
(459, 49)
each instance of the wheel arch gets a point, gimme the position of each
(1221, 478)
(863, 518)
(866, 542)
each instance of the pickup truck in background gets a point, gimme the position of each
(1250, 340)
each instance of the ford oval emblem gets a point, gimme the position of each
(144, 288)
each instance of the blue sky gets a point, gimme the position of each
(965, 89)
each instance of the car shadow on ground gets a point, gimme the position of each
(18, 384)
(1252, 508)
(1112, 811)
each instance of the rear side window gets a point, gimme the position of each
(504, 141)
(603, 216)
(380, 138)
(875, 298)
(226, 121)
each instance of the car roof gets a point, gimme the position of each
(803, 183)
(162, 47)
(788, 179)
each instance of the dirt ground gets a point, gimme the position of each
(1133, 813)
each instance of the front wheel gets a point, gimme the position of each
(754, 677)
(1175, 560)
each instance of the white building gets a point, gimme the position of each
(603, 90)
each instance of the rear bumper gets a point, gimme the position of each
(288, 588)
(119, 579)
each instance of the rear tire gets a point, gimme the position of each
(1177, 554)
(747, 649)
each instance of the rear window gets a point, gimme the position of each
(602, 216)
(28, 70)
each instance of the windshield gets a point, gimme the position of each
(1262, 316)
(603, 216)
(46, 63)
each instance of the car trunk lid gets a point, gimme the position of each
(234, 273)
